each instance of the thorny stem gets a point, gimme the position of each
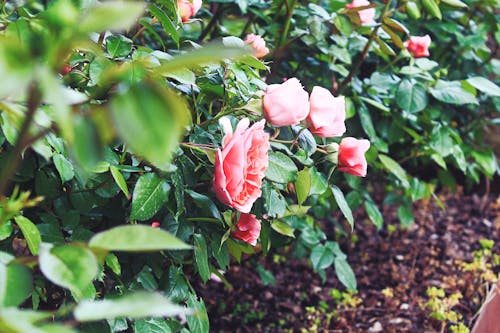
(357, 65)
(14, 157)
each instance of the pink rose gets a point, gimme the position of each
(326, 113)
(419, 46)
(247, 229)
(352, 156)
(241, 165)
(155, 224)
(366, 15)
(188, 8)
(258, 45)
(286, 104)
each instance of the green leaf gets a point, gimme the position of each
(139, 304)
(484, 85)
(411, 96)
(110, 15)
(432, 8)
(413, 10)
(205, 203)
(211, 53)
(281, 168)
(64, 167)
(113, 263)
(150, 194)
(274, 202)
(68, 266)
(394, 168)
(405, 215)
(118, 46)
(16, 284)
(455, 3)
(198, 322)
(119, 180)
(168, 26)
(6, 230)
(136, 238)
(321, 257)
(151, 119)
(152, 325)
(342, 203)
(345, 273)
(30, 233)
(282, 228)
(13, 320)
(374, 213)
(318, 182)
(366, 122)
(452, 93)
(266, 276)
(201, 257)
(487, 160)
(303, 185)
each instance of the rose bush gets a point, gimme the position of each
(141, 149)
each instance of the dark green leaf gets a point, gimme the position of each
(118, 46)
(411, 96)
(345, 273)
(374, 213)
(321, 257)
(150, 194)
(484, 85)
(201, 257)
(394, 168)
(198, 322)
(64, 167)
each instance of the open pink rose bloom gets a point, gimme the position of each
(247, 229)
(241, 164)
(286, 104)
(351, 158)
(327, 114)
(419, 46)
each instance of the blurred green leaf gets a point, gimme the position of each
(136, 238)
(110, 15)
(374, 213)
(198, 321)
(16, 284)
(118, 46)
(139, 304)
(484, 85)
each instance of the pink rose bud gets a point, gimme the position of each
(241, 164)
(352, 156)
(247, 229)
(286, 103)
(418, 46)
(366, 15)
(258, 45)
(188, 8)
(326, 113)
(155, 224)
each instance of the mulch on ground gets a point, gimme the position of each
(394, 268)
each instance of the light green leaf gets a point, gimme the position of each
(197, 322)
(321, 257)
(452, 93)
(136, 238)
(303, 185)
(345, 273)
(282, 228)
(281, 168)
(151, 119)
(152, 325)
(411, 96)
(455, 3)
(30, 233)
(201, 257)
(150, 193)
(484, 85)
(68, 266)
(405, 215)
(64, 167)
(118, 46)
(342, 203)
(394, 168)
(139, 304)
(16, 284)
(119, 180)
(432, 7)
(374, 213)
(110, 15)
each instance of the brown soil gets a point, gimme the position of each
(394, 269)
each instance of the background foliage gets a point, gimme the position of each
(109, 122)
